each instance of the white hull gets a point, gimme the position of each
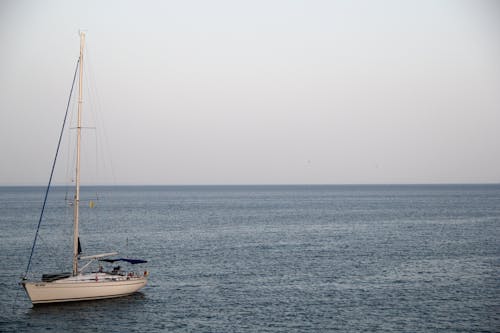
(83, 287)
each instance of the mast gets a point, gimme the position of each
(78, 143)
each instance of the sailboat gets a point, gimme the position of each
(81, 284)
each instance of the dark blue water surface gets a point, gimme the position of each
(267, 258)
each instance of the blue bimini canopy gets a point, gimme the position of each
(130, 261)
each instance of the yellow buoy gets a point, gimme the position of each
(91, 204)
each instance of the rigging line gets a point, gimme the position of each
(52, 171)
(96, 115)
(68, 179)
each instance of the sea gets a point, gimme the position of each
(353, 258)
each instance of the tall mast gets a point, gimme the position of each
(78, 143)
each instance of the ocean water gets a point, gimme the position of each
(267, 258)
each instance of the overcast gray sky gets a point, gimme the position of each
(259, 92)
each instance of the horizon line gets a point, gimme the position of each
(257, 184)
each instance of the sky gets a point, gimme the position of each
(256, 92)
